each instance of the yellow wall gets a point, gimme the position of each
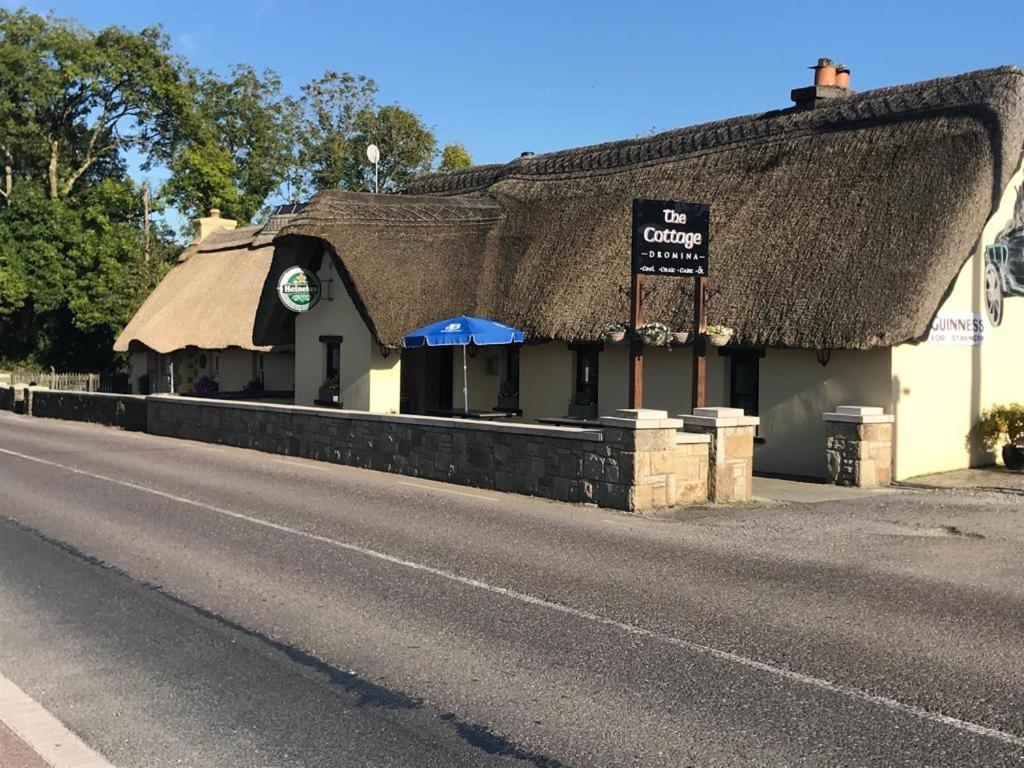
(483, 386)
(545, 380)
(941, 390)
(368, 381)
(667, 379)
(795, 390)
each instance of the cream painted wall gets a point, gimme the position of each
(795, 390)
(278, 370)
(545, 380)
(138, 366)
(368, 381)
(235, 368)
(667, 379)
(483, 386)
(943, 389)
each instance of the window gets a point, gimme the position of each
(585, 388)
(333, 360)
(743, 381)
(508, 395)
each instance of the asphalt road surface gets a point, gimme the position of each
(179, 604)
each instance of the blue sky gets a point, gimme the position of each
(504, 77)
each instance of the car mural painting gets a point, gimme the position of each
(1004, 264)
(1004, 273)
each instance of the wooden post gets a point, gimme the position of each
(699, 342)
(636, 349)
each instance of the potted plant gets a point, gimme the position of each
(508, 396)
(679, 337)
(582, 406)
(330, 389)
(654, 334)
(1003, 425)
(615, 333)
(207, 386)
(718, 335)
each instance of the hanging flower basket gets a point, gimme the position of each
(679, 338)
(654, 334)
(615, 333)
(718, 335)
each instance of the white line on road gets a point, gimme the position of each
(305, 465)
(632, 629)
(45, 734)
(425, 487)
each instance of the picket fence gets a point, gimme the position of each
(70, 382)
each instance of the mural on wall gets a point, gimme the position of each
(1004, 263)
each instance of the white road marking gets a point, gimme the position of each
(425, 487)
(45, 734)
(304, 465)
(631, 629)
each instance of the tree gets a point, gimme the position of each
(243, 147)
(330, 107)
(455, 157)
(74, 99)
(407, 148)
(72, 103)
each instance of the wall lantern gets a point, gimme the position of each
(824, 355)
(384, 351)
(472, 349)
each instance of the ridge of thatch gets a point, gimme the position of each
(209, 299)
(836, 227)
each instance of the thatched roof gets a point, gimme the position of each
(209, 299)
(836, 227)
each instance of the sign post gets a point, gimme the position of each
(670, 239)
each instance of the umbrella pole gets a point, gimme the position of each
(465, 383)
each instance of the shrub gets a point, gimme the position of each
(1000, 424)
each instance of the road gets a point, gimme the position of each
(175, 603)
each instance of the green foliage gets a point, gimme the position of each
(455, 157)
(74, 102)
(71, 100)
(72, 273)
(999, 425)
(241, 150)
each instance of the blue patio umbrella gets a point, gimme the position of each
(461, 332)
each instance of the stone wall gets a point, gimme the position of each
(124, 411)
(731, 465)
(858, 446)
(637, 462)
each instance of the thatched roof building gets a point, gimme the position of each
(837, 227)
(209, 299)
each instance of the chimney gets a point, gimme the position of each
(843, 76)
(830, 82)
(207, 225)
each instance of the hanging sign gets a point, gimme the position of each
(958, 329)
(298, 289)
(670, 238)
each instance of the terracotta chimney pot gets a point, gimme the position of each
(843, 76)
(824, 72)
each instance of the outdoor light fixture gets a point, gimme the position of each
(824, 355)
(471, 350)
(384, 351)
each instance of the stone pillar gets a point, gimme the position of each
(858, 446)
(23, 400)
(731, 453)
(662, 467)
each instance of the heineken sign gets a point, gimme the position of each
(298, 289)
(670, 238)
